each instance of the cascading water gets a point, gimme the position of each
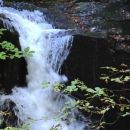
(51, 47)
(1, 2)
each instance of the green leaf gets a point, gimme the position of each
(117, 80)
(71, 88)
(127, 78)
(2, 31)
(126, 114)
(100, 91)
(90, 90)
(122, 108)
(105, 78)
(104, 110)
(27, 49)
(3, 55)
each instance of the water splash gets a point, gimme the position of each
(51, 47)
(1, 2)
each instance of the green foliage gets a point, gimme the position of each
(112, 74)
(11, 52)
(97, 101)
(56, 127)
(12, 128)
(8, 50)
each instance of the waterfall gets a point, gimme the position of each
(51, 47)
(1, 2)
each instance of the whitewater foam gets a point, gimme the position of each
(51, 47)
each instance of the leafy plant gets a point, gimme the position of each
(96, 101)
(8, 50)
(117, 75)
(56, 127)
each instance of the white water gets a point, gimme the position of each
(51, 48)
(1, 2)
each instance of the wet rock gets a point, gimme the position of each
(97, 26)
(12, 72)
(88, 54)
(98, 17)
(110, 16)
(8, 116)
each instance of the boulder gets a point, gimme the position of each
(12, 72)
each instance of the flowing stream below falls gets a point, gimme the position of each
(34, 104)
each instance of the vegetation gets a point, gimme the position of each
(96, 102)
(118, 75)
(8, 50)
(100, 101)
